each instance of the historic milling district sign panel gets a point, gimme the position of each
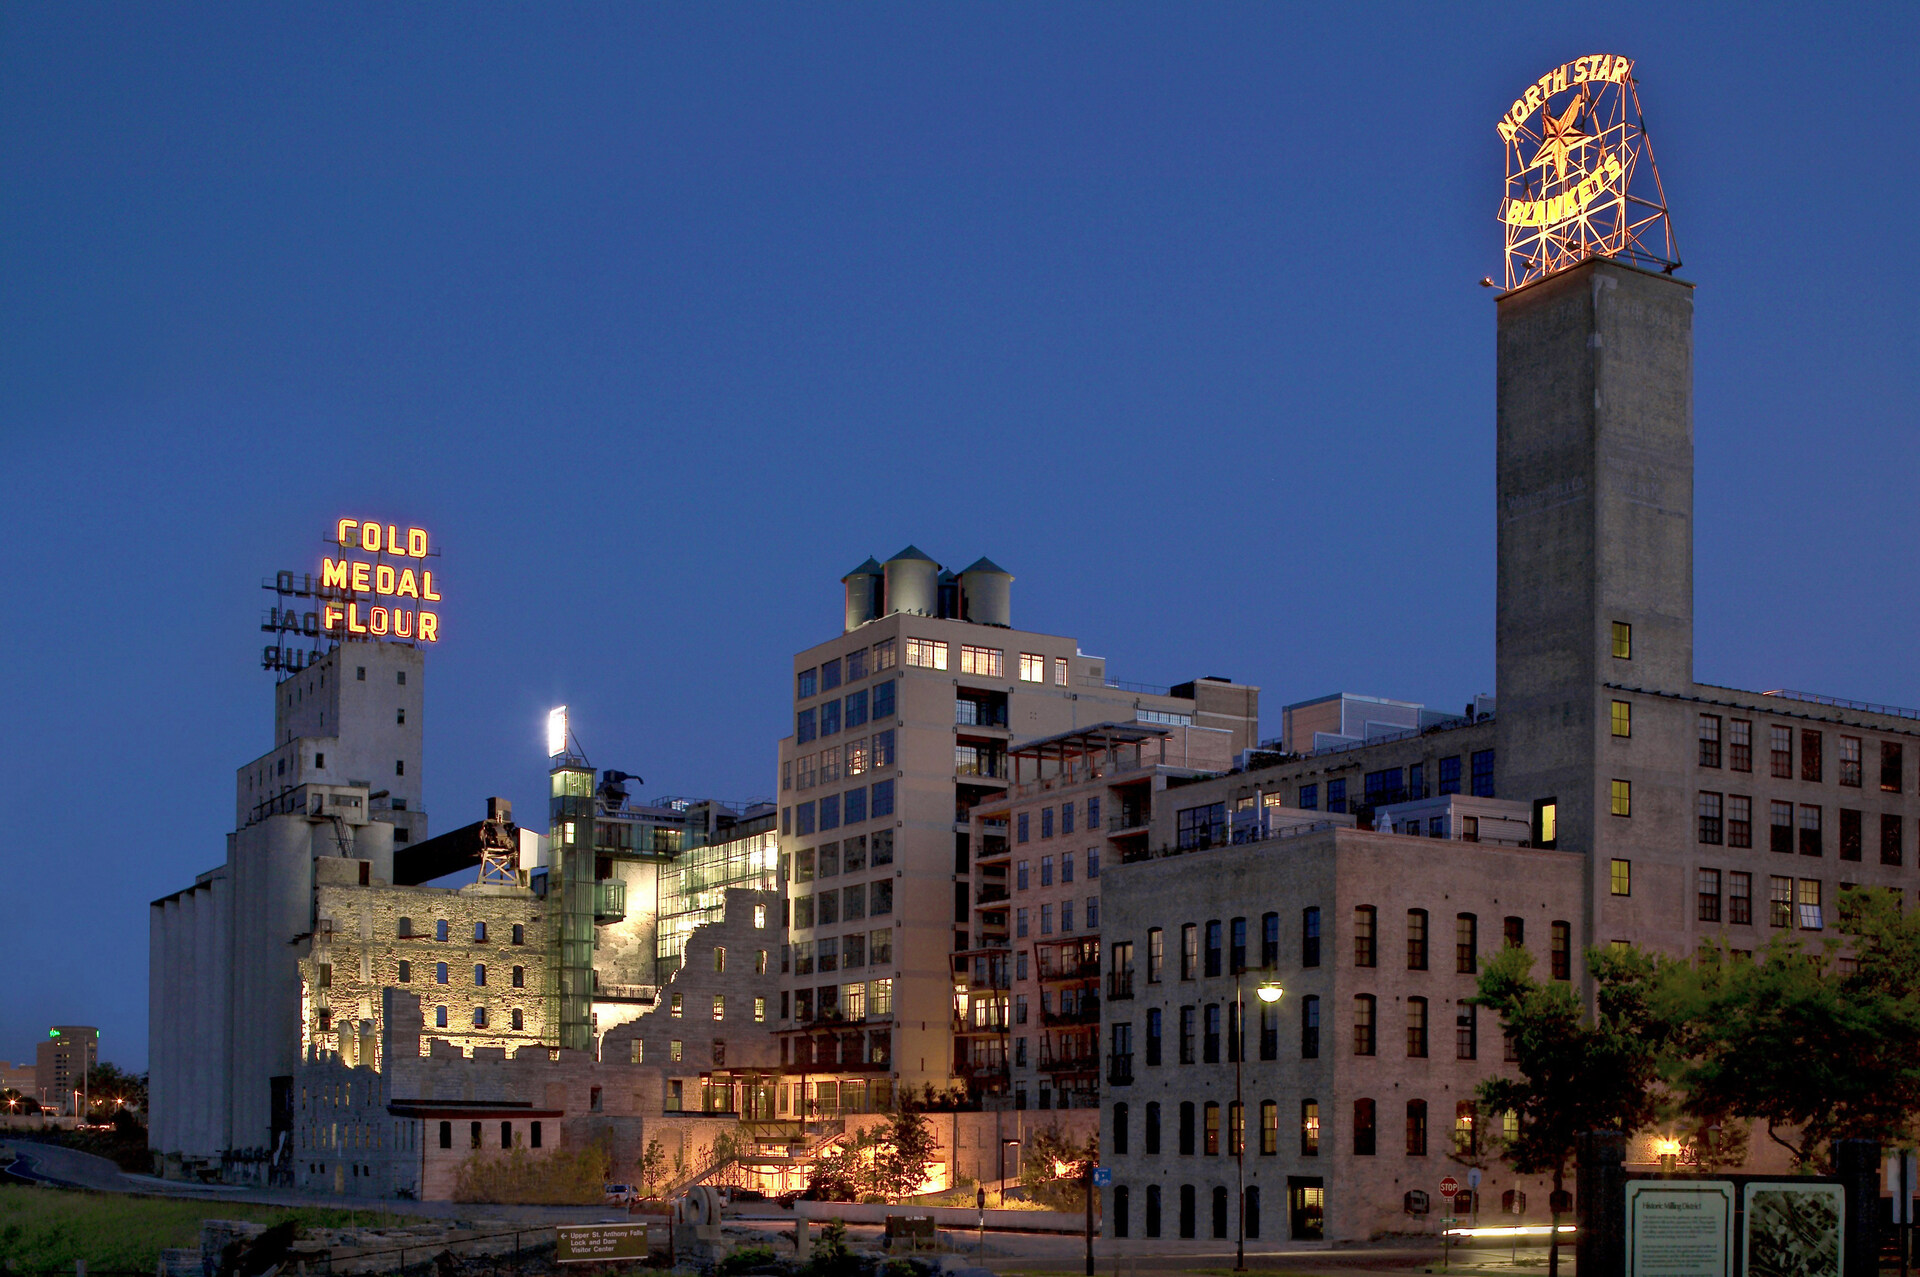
(1581, 181)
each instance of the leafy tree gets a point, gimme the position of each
(110, 1087)
(903, 1155)
(1818, 1048)
(653, 1167)
(1577, 1071)
(14, 1101)
(1053, 1167)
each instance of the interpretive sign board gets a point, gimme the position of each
(591, 1243)
(1680, 1228)
(1793, 1229)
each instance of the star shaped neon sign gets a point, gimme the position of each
(1560, 137)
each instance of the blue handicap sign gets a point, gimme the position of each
(1102, 1177)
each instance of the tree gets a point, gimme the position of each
(1576, 1072)
(903, 1155)
(16, 1102)
(653, 1167)
(1818, 1047)
(1052, 1167)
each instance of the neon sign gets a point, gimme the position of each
(379, 589)
(1581, 181)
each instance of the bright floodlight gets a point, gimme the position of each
(557, 731)
(1270, 992)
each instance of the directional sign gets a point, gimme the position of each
(1473, 1177)
(1102, 1176)
(1449, 1186)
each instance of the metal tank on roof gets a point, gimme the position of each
(986, 593)
(863, 593)
(913, 583)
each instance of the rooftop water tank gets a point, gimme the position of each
(863, 593)
(913, 583)
(985, 592)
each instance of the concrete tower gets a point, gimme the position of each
(1595, 422)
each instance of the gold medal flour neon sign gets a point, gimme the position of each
(1581, 181)
(398, 592)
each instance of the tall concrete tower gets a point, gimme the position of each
(1595, 421)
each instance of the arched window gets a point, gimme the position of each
(1220, 1212)
(446, 1135)
(1363, 1128)
(1153, 1127)
(439, 1017)
(1120, 1131)
(1187, 1224)
(1416, 1128)
(406, 928)
(1186, 1128)
(1120, 1211)
(1211, 1145)
(1269, 1128)
(1253, 1210)
(1363, 1024)
(1153, 1210)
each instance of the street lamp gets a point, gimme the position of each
(1268, 992)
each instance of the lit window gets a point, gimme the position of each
(1622, 877)
(1622, 719)
(927, 654)
(1779, 902)
(984, 661)
(674, 1049)
(719, 1006)
(677, 1010)
(759, 916)
(1033, 667)
(1810, 913)
(1622, 798)
(1059, 671)
(1622, 641)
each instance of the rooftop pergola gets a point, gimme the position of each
(1091, 745)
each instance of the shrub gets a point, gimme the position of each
(564, 1177)
(746, 1259)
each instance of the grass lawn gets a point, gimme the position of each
(49, 1228)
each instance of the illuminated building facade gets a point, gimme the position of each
(62, 1061)
(902, 724)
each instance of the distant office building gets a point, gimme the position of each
(902, 724)
(63, 1060)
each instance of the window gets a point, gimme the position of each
(1363, 1009)
(804, 726)
(1270, 940)
(399, 766)
(1562, 951)
(1120, 1129)
(439, 1017)
(1890, 839)
(1483, 773)
(1197, 828)
(1363, 936)
(985, 661)
(1779, 901)
(926, 654)
(519, 933)
(884, 655)
(479, 1017)
(1153, 1037)
(1156, 954)
(1622, 718)
(1310, 1027)
(1309, 798)
(1849, 834)
(1466, 944)
(439, 973)
(1810, 844)
(1363, 1128)
(1269, 1128)
(1269, 1031)
(1810, 915)
(1620, 877)
(1622, 641)
(1416, 939)
(1707, 807)
(806, 683)
(1210, 1129)
(406, 971)
(1186, 1129)
(1213, 947)
(1740, 898)
(479, 974)
(1189, 1032)
(440, 930)
(1850, 761)
(1189, 950)
(1890, 767)
(1066, 827)
(1210, 1042)
(1709, 740)
(719, 1006)
(1812, 754)
(1740, 745)
(1709, 895)
(1046, 920)
(519, 1020)
(1310, 937)
(830, 718)
(1309, 1128)
(856, 714)
(1450, 775)
(1033, 667)
(1022, 826)
(1417, 1028)
(1466, 1032)
(1781, 740)
(1237, 946)
(1337, 795)
(1781, 815)
(1739, 821)
(1059, 671)
(883, 701)
(1622, 795)
(1514, 929)
(1416, 1128)
(1046, 831)
(1150, 1133)
(446, 1128)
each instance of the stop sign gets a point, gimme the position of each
(1449, 1186)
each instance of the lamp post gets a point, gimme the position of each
(1268, 992)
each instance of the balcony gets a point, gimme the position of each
(1129, 822)
(981, 1070)
(1087, 970)
(609, 900)
(990, 893)
(1120, 1069)
(968, 713)
(1087, 1063)
(1088, 1012)
(1120, 983)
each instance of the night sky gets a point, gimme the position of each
(662, 317)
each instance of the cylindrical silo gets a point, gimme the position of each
(986, 591)
(913, 583)
(863, 593)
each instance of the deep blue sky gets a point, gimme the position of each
(663, 317)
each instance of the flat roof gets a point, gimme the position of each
(1098, 736)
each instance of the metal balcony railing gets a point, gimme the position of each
(1120, 983)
